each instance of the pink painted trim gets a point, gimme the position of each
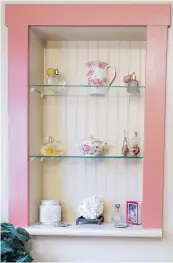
(127, 212)
(88, 14)
(18, 124)
(153, 163)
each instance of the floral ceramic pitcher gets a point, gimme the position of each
(98, 74)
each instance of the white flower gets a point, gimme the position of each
(91, 207)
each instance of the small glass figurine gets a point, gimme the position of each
(125, 149)
(117, 219)
(51, 147)
(134, 149)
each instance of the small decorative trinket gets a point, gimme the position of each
(91, 208)
(61, 224)
(117, 219)
(50, 212)
(132, 83)
(83, 221)
(125, 149)
(51, 147)
(54, 77)
(57, 81)
(91, 146)
(133, 213)
(134, 149)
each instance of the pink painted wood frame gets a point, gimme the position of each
(88, 14)
(18, 124)
(157, 19)
(154, 126)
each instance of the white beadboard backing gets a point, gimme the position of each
(72, 118)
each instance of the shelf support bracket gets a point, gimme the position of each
(32, 88)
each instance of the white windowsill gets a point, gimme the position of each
(104, 230)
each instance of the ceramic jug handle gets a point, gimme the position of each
(107, 67)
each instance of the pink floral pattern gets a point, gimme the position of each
(98, 64)
(90, 72)
(86, 148)
(96, 82)
(96, 75)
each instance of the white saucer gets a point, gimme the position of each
(121, 225)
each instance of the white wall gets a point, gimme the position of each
(102, 249)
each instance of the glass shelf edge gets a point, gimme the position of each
(84, 86)
(86, 157)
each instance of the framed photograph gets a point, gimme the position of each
(133, 212)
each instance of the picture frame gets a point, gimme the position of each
(133, 212)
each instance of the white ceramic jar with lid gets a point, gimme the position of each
(50, 212)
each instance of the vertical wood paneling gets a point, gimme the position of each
(71, 119)
(123, 118)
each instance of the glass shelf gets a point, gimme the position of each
(84, 157)
(79, 86)
(76, 90)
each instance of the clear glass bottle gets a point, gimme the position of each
(133, 83)
(118, 219)
(54, 77)
(134, 149)
(125, 148)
